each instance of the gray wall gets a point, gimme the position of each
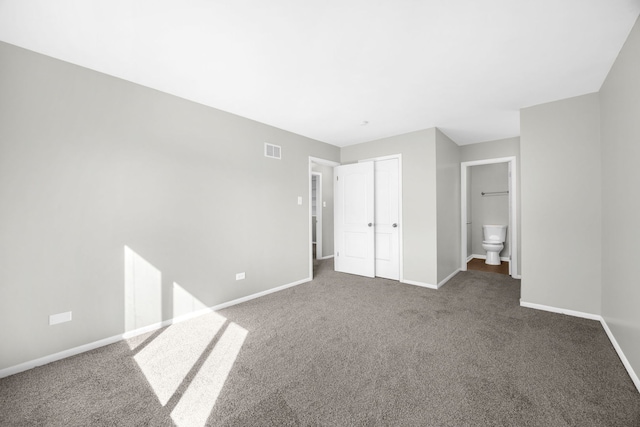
(90, 163)
(509, 147)
(561, 204)
(488, 209)
(448, 205)
(620, 151)
(327, 211)
(419, 228)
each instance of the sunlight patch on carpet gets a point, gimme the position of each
(167, 359)
(196, 403)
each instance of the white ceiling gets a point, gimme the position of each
(320, 68)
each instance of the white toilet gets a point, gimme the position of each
(493, 239)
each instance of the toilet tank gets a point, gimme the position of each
(494, 233)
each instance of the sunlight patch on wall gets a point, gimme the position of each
(167, 359)
(198, 400)
(184, 302)
(142, 291)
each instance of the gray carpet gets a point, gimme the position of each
(347, 351)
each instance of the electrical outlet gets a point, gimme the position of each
(54, 319)
(240, 276)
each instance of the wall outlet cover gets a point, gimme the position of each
(54, 319)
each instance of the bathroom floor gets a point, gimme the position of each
(479, 265)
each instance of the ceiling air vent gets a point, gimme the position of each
(272, 151)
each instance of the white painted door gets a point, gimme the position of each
(354, 219)
(387, 211)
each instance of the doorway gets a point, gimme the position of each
(509, 193)
(322, 215)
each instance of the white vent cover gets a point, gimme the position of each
(272, 151)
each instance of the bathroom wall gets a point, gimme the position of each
(620, 153)
(489, 209)
(448, 205)
(562, 204)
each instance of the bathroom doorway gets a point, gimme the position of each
(494, 203)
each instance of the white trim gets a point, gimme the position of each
(400, 203)
(513, 217)
(319, 218)
(323, 162)
(162, 324)
(446, 279)
(111, 340)
(327, 257)
(551, 309)
(489, 161)
(377, 159)
(421, 284)
(469, 258)
(58, 356)
(259, 294)
(478, 256)
(623, 358)
(614, 342)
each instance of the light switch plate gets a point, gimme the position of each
(299, 200)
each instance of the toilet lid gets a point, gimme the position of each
(489, 242)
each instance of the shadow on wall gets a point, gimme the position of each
(186, 364)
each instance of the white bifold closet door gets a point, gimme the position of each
(353, 200)
(387, 222)
(366, 218)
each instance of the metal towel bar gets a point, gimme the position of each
(494, 192)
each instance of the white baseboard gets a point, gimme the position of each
(421, 284)
(259, 294)
(58, 356)
(106, 341)
(560, 310)
(504, 258)
(623, 358)
(446, 279)
(590, 316)
(326, 257)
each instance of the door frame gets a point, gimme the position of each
(401, 218)
(323, 162)
(319, 214)
(513, 210)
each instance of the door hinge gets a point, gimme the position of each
(337, 253)
(337, 178)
